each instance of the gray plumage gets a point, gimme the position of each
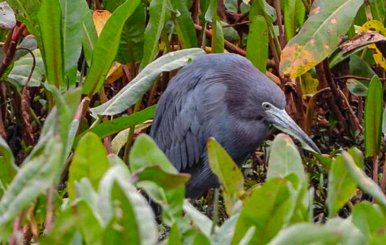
(220, 96)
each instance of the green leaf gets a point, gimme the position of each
(159, 13)
(369, 219)
(90, 226)
(23, 67)
(293, 13)
(199, 220)
(145, 153)
(319, 36)
(106, 47)
(132, 39)
(27, 11)
(268, 209)
(356, 87)
(341, 186)
(184, 24)
(373, 117)
(90, 161)
(309, 233)
(132, 220)
(217, 37)
(64, 228)
(89, 34)
(161, 178)
(39, 172)
(364, 182)
(223, 235)
(378, 10)
(118, 124)
(50, 22)
(72, 17)
(285, 159)
(130, 94)
(228, 173)
(257, 43)
(7, 164)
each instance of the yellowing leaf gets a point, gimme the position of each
(114, 73)
(100, 18)
(377, 26)
(309, 85)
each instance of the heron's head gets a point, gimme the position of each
(256, 97)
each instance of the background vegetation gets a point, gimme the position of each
(79, 80)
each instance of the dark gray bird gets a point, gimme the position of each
(222, 96)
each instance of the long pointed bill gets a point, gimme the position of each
(281, 120)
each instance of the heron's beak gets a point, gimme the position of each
(281, 120)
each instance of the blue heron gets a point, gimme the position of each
(222, 96)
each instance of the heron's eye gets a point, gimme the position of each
(266, 105)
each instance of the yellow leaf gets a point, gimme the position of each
(309, 85)
(114, 73)
(377, 26)
(100, 18)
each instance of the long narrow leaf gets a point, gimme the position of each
(373, 117)
(106, 47)
(50, 22)
(158, 11)
(142, 82)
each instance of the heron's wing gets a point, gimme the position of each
(179, 126)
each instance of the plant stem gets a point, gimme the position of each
(215, 210)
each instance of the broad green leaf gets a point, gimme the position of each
(132, 39)
(118, 124)
(23, 67)
(72, 18)
(90, 161)
(159, 13)
(309, 233)
(318, 38)
(199, 220)
(145, 153)
(373, 117)
(106, 47)
(268, 209)
(39, 172)
(89, 225)
(369, 219)
(161, 178)
(7, 165)
(50, 23)
(201, 239)
(184, 24)
(228, 173)
(257, 43)
(130, 94)
(105, 208)
(26, 12)
(285, 159)
(364, 182)
(341, 186)
(378, 10)
(174, 237)
(350, 233)
(132, 220)
(293, 13)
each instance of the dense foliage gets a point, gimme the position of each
(79, 84)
